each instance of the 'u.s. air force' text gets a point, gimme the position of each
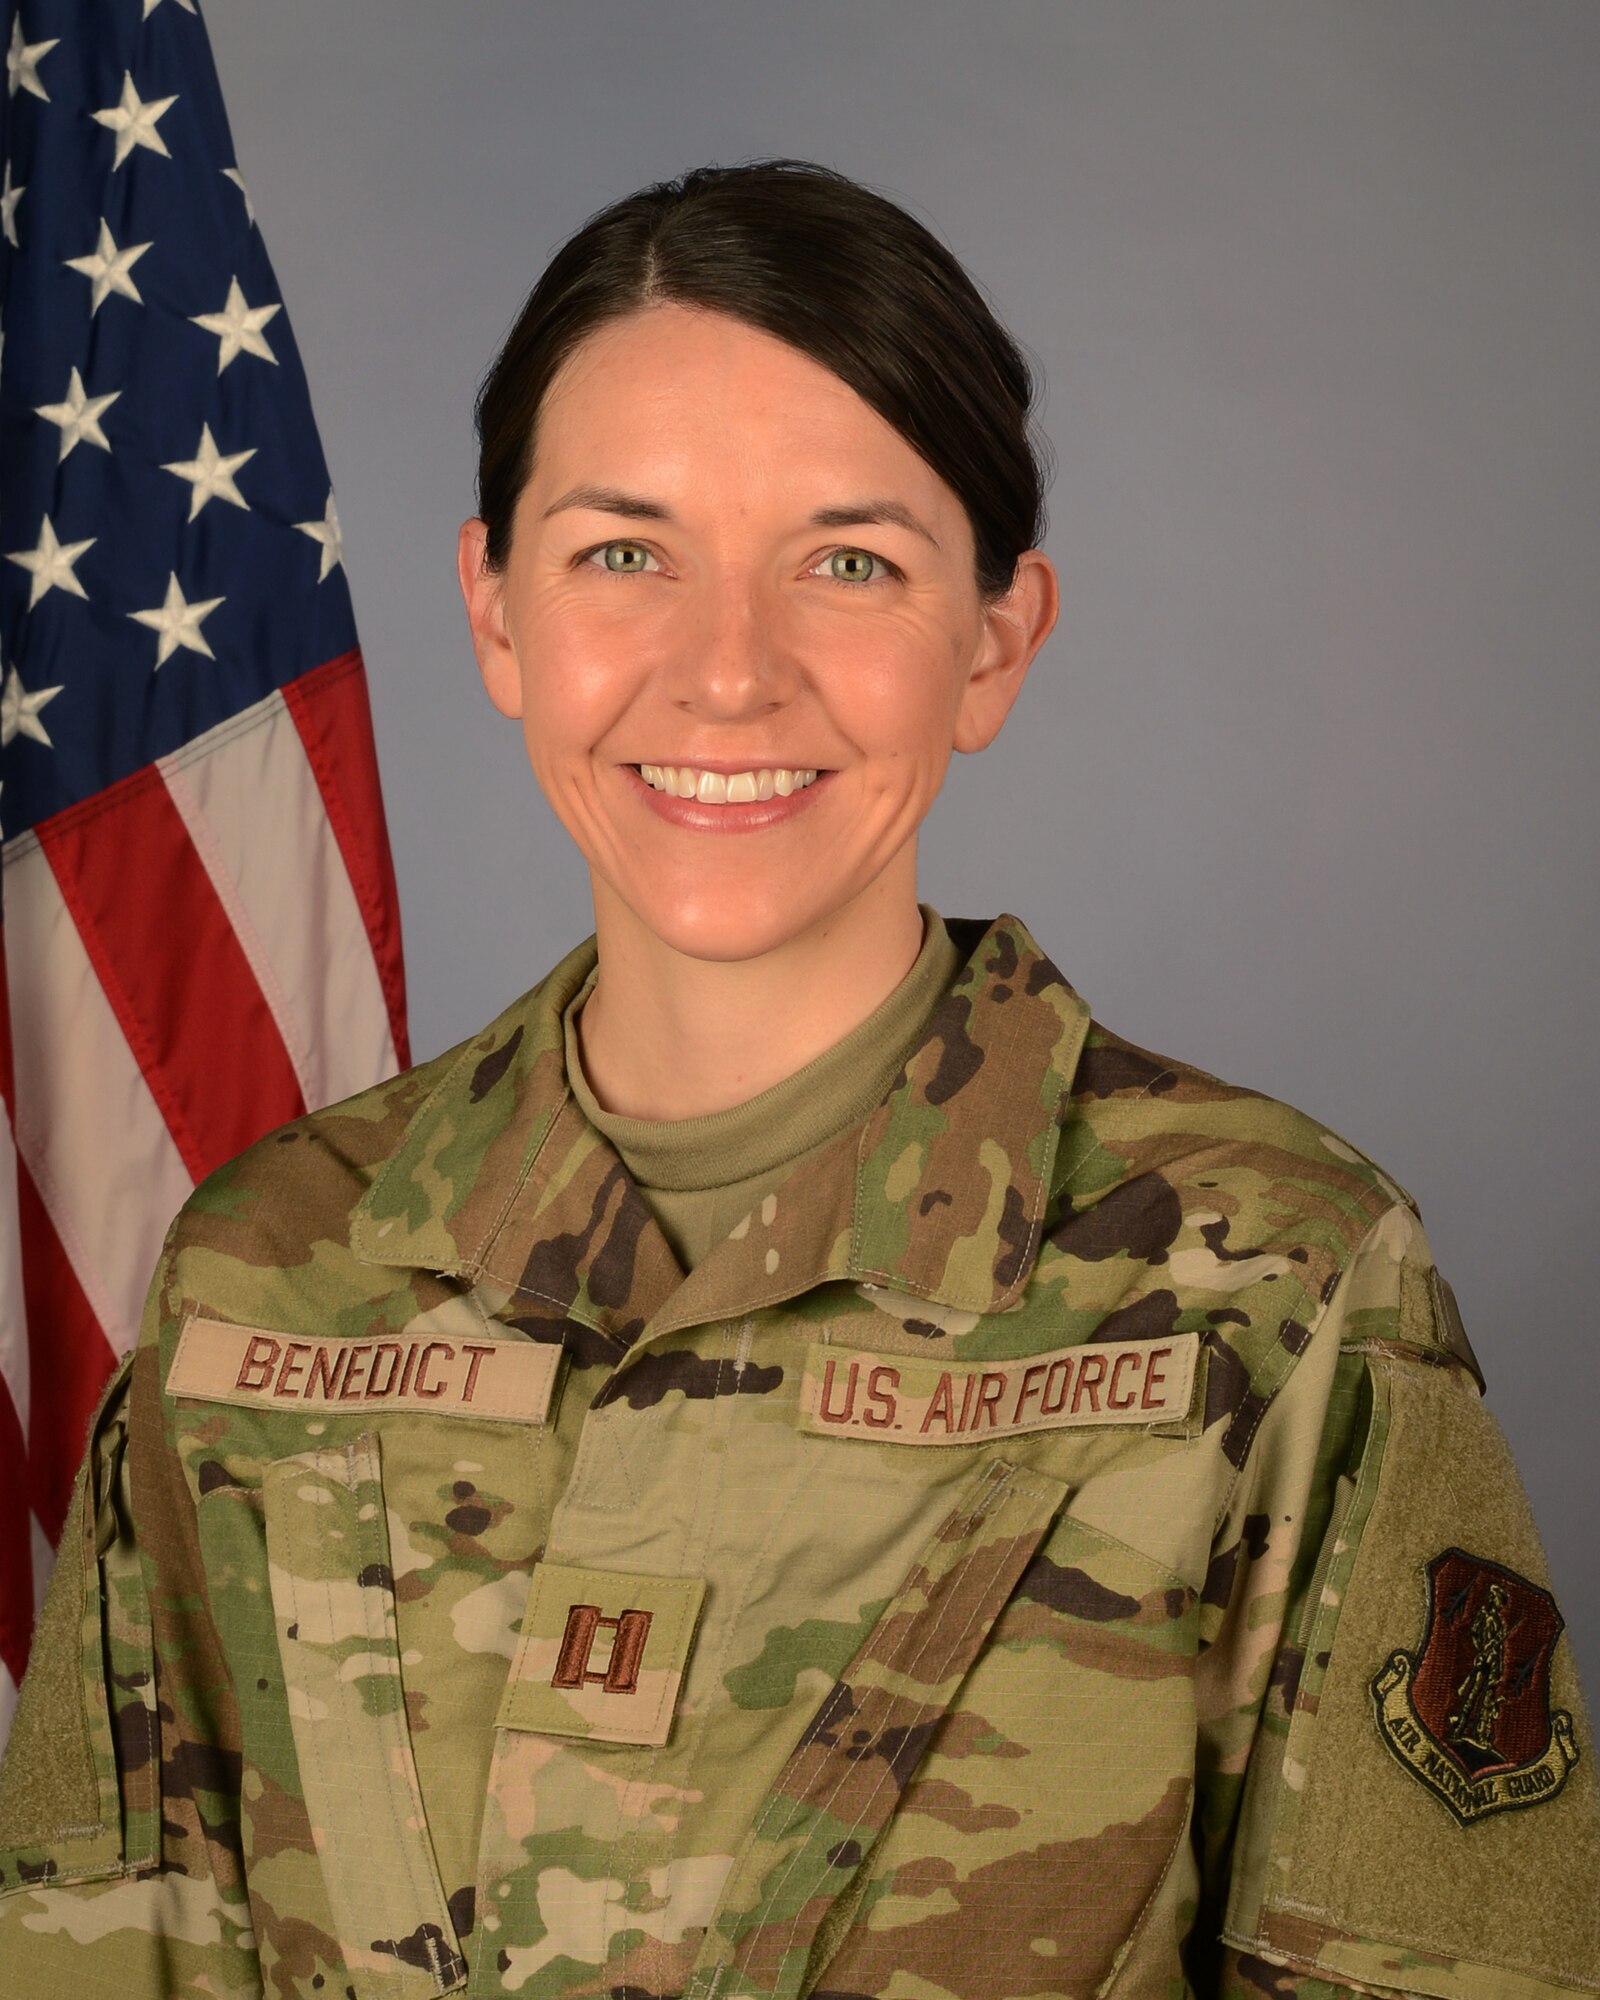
(906, 1400)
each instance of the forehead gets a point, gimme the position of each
(679, 389)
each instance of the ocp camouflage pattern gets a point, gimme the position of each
(1065, 1711)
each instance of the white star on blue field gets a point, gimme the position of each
(169, 548)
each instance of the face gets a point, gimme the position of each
(727, 566)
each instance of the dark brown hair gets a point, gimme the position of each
(831, 267)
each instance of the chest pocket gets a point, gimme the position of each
(810, 1841)
(1040, 1847)
(333, 1607)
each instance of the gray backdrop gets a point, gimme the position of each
(1303, 788)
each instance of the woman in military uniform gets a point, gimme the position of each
(796, 1461)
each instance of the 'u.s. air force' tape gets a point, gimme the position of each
(907, 1400)
(500, 1381)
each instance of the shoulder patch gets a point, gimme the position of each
(1469, 1712)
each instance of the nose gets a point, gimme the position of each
(730, 661)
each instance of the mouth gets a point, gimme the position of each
(727, 788)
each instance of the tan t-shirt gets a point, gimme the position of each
(701, 1176)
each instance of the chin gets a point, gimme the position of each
(725, 927)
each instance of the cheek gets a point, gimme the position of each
(579, 674)
(894, 695)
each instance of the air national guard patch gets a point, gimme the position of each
(1469, 1712)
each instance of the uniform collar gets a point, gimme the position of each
(939, 1192)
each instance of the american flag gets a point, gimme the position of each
(201, 934)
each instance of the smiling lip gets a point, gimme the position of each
(731, 766)
(751, 817)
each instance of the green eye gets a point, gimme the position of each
(625, 558)
(851, 566)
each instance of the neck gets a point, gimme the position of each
(666, 1035)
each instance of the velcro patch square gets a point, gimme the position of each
(602, 1654)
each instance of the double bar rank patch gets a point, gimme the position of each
(500, 1381)
(907, 1400)
(1469, 1712)
(602, 1654)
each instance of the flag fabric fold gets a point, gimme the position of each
(197, 903)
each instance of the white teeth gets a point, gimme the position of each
(685, 781)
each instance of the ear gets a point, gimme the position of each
(1015, 626)
(482, 588)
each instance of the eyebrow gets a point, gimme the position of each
(610, 500)
(867, 513)
(853, 514)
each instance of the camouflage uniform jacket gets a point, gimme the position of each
(1054, 1546)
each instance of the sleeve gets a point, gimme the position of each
(116, 1876)
(1419, 1815)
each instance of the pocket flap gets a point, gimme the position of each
(333, 1603)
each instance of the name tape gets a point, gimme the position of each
(502, 1381)
(847, 1393)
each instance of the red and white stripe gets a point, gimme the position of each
(205, 949)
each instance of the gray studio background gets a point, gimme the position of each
(1303, 789)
